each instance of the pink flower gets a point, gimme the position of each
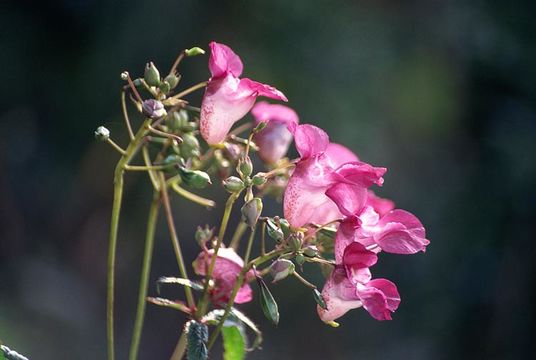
(324, 165)
(275, 138)
(350, 286)
(227, 97)
(226, 269)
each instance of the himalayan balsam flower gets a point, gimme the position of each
(274, 140)
(321, 166)
(226, 269)
(227, 97)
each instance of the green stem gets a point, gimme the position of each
(240, 229)
(189, 90)
(203, 303)
(114, 228)
(145, 273)
(303, 281)
(193, 197)
(175, 240)
(180, 349)
(146, 168)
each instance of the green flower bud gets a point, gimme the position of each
(233, 184)
(151, 75)
(295, 241)
(251, 211)
(190, 146)
(194, 51)
(245, 167)
(102, 134)
(300, 259)
(164, 87)
(281, 268)
(268, 303)
(259, 179)
(172, 162)
(203, 235)
(172, 80)
(194, 178)
(310, 251)
(285, 226)
(274, 231)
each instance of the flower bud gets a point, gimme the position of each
(124, 75)
(233, 184)
(164, 87)
(295, 241)
(251, 211)
(203, 234)
(274, 231)
(245, 167)
(310, 251)
(194, 51)
(151, 75)
(172, 80)
(194, 178)
(300, 259)
(281, 268)
(259, 179)
(268, 303)
(190, 146)
(153, 109)
(102, 134)
(285, 226)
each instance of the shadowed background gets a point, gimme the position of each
(442, 93)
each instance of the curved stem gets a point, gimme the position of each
(145, 273)
(175, 240)
(180, 349)
(240, 229)
(193, 197)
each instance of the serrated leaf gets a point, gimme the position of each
(268, 304)
(236, 317)
(249, 323)
(197, 337)
(184, 282)
(234, 344)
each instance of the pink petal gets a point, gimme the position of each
(339, 154)
(380, 297)
(224, 103)
(274, 140)
(310, 140)
(350, 199)
(261, 89)
(305, 200)
(244, 295)
(340, 296)
(360, 173)
(264, 111)
(223, 60)
(380, 205)
(344, 237)
(357, 256)
(401, 233)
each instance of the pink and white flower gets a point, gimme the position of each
(228, 97)
(226, 269)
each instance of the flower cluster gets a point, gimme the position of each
(331, 216)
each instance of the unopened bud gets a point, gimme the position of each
(281, 268)
(310, 251)
(295, 241)
(274, 231)
(233, 184)
(153, 109)
(151, 75)
(300, 259)
(194, 51)
(203, 235)
(164, 87)
(245, 167)
(251, 211)
(259, 179)
(102, 134)
(172, 80)
(190, 146)
(285, 226)
(124, 75)
(194, 178)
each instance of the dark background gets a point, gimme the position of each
(442, 93)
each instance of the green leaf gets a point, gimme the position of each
(236, 317)
(2, 357)
(184, 282)
(269, 306)
(233, 343)
(319, 299)
(249, 323)
(197, 337)
(177, 305)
